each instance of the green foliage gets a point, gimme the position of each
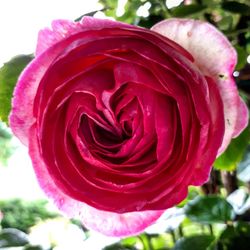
(157, 10)
(192, 193)
(11, 237)
(30, 247)
(209, 209)
(118, 246)
(6, 145)
(8, 77)
(234, 153)
(23, 214)
(242, 57)
(236, 7)
(235, 237)
(187, 10)
(130, 241)
(197, 242)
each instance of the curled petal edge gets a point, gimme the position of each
(60, 29)
(208, 45)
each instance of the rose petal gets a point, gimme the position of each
(64, 28)
(215, 57)
(60, 29)
(108, 223)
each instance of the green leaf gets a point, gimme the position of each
(226, 23)
(247, 35)
(118, 246)
(192, 193)
(233, 155)
(159, 242)
(30, 247)
(242, 57)
(8, 78)
(149, 21)
(235, 237)
(236, 7)
(243, 228)
(187, 10)
(229, 232)
(6, 144)
(210, 3)
(198, 242)
(11, 237)
(130, 241)
(209, 209)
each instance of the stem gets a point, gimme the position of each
(165, 12)
(229, 181)
(248, 187)
(173, 236)
(211, 229)
(150, 246)
(180, 230)
(236, 32)
(146, 242)
(211, 187)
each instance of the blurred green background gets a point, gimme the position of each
(215, 216)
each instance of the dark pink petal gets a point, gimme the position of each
(213, 137)
(215, 57)
(108, 223)
(21, 117)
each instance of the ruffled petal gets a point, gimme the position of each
(215, 57)
(107, 223)
(60, 29)
(21, 116)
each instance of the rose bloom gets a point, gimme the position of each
(120, 120)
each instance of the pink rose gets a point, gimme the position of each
(120, 120)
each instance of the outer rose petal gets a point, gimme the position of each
(60, 29)
(64, 28)
(216, 58)
(112, 224)
(21, 117)
(48, 47)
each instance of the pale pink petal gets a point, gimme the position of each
(61, 29)
(21, 116)
(215, 57)
(242, 118)
(213, 53)
(108, 223)
(112, 224)
(91, 23)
